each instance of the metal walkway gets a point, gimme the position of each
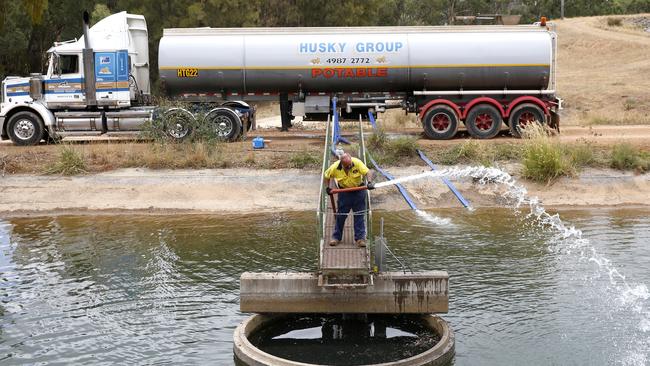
(346, 264)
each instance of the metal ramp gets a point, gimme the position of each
(344, 265)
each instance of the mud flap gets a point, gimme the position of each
(554, 122)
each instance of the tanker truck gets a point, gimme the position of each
(479, 76)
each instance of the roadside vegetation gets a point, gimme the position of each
(389, 150)
(69, 161)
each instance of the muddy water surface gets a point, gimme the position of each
(164, 289)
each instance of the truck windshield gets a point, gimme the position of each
(68, 64)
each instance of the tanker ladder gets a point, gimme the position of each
(348, 279)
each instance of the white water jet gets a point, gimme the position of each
(630, 297)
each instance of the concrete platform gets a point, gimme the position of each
(391, 292)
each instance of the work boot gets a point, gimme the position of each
(334, 242)
(361, 243)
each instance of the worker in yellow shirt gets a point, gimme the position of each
(348, 172)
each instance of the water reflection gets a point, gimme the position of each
(345, 340)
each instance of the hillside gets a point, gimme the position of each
(603, 70)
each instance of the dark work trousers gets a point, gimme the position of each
(355, 201)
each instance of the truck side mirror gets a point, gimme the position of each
(56, 69)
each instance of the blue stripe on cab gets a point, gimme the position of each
(58, 81)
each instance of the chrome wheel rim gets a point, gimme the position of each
(177, 126)
(24, 129)
(223, 125)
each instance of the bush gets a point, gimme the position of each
(69, 162)
(544, 160)
(469, 152)
(391, 150)
(626, 157)
(581, 155)
(302, 159)
(614, 22)
(378, 139)
(403, 146)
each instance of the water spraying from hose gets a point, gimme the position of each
(629, 297)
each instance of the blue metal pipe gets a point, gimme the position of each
(400, 187)
(451, 186)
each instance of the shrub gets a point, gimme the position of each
(614, 22)
(471, 152)
(544, 160)
(625, 157)
(581, 155)
(378, 139)
(302, 159)
(69, 162)
(403, 146)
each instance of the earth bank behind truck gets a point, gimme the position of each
(482, 76)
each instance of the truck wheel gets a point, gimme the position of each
(177, 123)
(25, 128)
(525, 115)
(440, 123)
(483, 121)
(225, 123)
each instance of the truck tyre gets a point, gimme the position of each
(25, 128)
(177, 123)
(225, 123)
(483, 121)
(440, 122)
(524, 115)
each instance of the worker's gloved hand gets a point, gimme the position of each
(328, 190)
(371, 185)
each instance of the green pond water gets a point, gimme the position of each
(164, 289)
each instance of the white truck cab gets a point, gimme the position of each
(91, 85)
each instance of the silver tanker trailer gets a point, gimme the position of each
(481, 76)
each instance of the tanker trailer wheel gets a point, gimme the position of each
(25, 128)
(225, 123)
(483, 121)
(440, 123)
(177, 123)
(523, 116)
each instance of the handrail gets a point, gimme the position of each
(322, 206)
(368, 214)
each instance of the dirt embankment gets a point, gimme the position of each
(243, 190)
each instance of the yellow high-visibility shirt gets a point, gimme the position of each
(352, 178)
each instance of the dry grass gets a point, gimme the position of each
(396, 119)
(70, 161)
(602, 72)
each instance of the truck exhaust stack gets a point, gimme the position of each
(89, 65)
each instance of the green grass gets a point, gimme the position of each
(544, 160)
(377, 140)
(304, 159)
(582, 155)
(627, 157)
(477, 152)
(69, 161)
(389, 150)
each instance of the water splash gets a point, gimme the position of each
(629, 298)
(432, 219)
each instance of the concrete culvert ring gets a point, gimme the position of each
(246, 353)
